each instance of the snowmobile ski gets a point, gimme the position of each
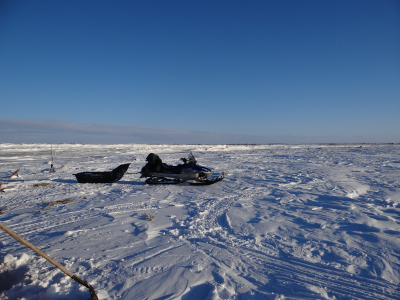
(162, 180)
(210, 181)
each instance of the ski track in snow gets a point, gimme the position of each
(287, 222)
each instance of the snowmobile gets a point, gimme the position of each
(161, 173)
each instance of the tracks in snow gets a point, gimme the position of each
(74, 217)
(268, 267)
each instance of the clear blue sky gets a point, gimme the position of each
(282, 68)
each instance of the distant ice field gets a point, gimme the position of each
(287, 222)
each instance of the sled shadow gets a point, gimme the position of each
(118, 182)
(64, 180)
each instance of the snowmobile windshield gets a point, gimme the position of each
(191, 159)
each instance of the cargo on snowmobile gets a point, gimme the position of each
(161, 173)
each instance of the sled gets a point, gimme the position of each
(102, 177)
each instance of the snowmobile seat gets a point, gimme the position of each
(155, 165)
(171, 169)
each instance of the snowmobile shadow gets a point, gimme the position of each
(130, 182)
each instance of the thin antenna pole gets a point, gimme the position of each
(52, 160)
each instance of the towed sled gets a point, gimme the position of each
(102, 177)
(161, 173)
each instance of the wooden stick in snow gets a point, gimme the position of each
(49, 259)
(16, 172)
(148, 216)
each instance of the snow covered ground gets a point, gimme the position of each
(287, 222)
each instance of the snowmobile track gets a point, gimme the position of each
(291, 270)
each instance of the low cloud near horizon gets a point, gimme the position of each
(53, 131)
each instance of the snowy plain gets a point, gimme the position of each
(287, 222)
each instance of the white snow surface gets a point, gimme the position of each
(287, 222)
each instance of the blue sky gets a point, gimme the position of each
(271, 71)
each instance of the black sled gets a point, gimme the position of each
(102, 177)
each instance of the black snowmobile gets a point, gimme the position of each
(161, 173)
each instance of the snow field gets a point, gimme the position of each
(287, 222)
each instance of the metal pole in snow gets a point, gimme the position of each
(52, 160)
(49, 259)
